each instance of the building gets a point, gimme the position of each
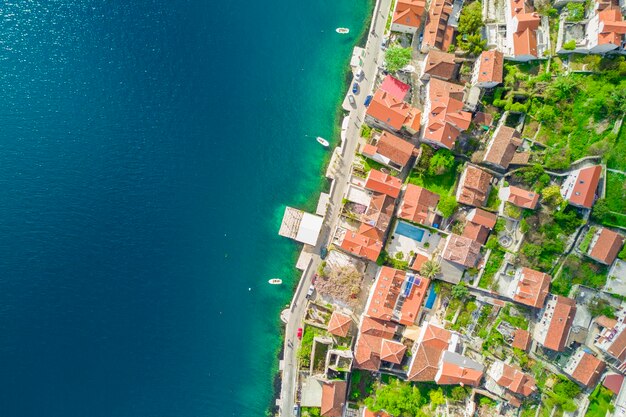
(408, 16)
(605, 245)
(333, 398)
(418, 205)
(612, 339)
(474, 186)
(584, 368)
(456, 369)
(339, 324)
(389, 150)
(437, 33)
(301, 226)
(396, 88)
(461, 250)
(388, 113)
(440, 65)
(603, 32)
(444, 116)
(488, 69)
(366, 242)
(520, 197)
(511, 379)
(427, 351)
(367, 351)
(502, 147)
(553, 329)
(476, 232)
(397, 296)
(383, 183)
(579, 188)
(530, 287)
(482, 217)
(522, 32)
(521, 340)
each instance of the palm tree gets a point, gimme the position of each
(430, 269)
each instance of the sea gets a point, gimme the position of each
(147, 151)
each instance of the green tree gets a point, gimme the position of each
(397, 398)
(436, 398)
(441, 162)
(571, 44)
(447, 205)
(471, 19)
(397, 58)
(473, 43)
(576, 12)
(460, 291)
(459, 393)
(430, 269)
(552, 196)
(600, 210)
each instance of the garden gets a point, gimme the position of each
(599, 402)
(578, 271)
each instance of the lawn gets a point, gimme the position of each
(616, 192)
(616, 158)
(577, 271)
(361, 386)
(422, 175)
(491, 267)
(599, 402)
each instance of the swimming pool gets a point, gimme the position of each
(432, 296)
(410, 231)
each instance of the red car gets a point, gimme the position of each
(299, 334)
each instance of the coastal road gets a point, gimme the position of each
(374, 57)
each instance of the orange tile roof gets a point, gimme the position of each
(453, 374)
(436, 24)
(523, 198)
(369, 342)
(369, 413)
(525, 39)
(409, 13)
(476, 232)
(613, 27)
(385, 293)
(425, 360)
(361, 243)
(474, 187)
(491, 67)
(483, 218)
(502, 148)
(417, 203)
(606, 322)
(339, 324)
(608, 245)
(440, 64)
(396, 149)
(333, 398)
(396, 88)
(618, 347)
(517, 381)
(561, 322)
(379, 213)
(392, 351)
(462, 250)
(584, 191)
(588, 370)
(419, 261)
(383, 183)
(521, 339)
(532, 288)
(391, 111)
(446, 117)
(413, 303)
(613, 382)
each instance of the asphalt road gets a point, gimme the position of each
(373, 59)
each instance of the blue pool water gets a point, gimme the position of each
(410, 231)
(432, 296)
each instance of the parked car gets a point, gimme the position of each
(296, 410)
(309, 293)
(355, 88)
(323, 252)
(314, 278)
(368, 100)
(351, 100)
(359, 75)
(299, 334)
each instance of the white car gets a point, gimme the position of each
(351, 99)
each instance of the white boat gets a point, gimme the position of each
(342, 30)
(275, 281)
(323, 142)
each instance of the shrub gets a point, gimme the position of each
(397, 57)
(571, 44)
(576, 12)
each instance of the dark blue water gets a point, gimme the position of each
(147, 150)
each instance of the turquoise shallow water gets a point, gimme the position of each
(147, 150)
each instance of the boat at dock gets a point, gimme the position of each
(275, 281)
(322, 141)
(343, 31)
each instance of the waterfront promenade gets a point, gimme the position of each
(374, 57)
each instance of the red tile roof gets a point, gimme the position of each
(613, 382)
(532, 288)
(454, 374)
(462, 250)
(392, 351)
(584, 191)
(366, 242)
(339, 324)
(409, 13)
(525, 39)
(383, 183)
(606, 322)
(419, 261)
(476, 232)
(517, 381)
(503, 146)
(369, 413)
(491, 67)
(446, 117)
(385, 293)
(607, 246)
(413, 303)
(417, 203)
(523, 198)
(440, 64)
(369, 342)
(561, 322)
(588, 370)
(618, 347)
(474, 187)
(396, 88)
(521, 339)
(436, 24)
(393, 112)
(612, 26)
(483, 218)
(425, 360)
(396, 149)
(333, 398)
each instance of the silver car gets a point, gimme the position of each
(351, 100)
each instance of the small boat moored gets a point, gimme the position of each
(322, 142)
(275, 281)
(342, 30)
